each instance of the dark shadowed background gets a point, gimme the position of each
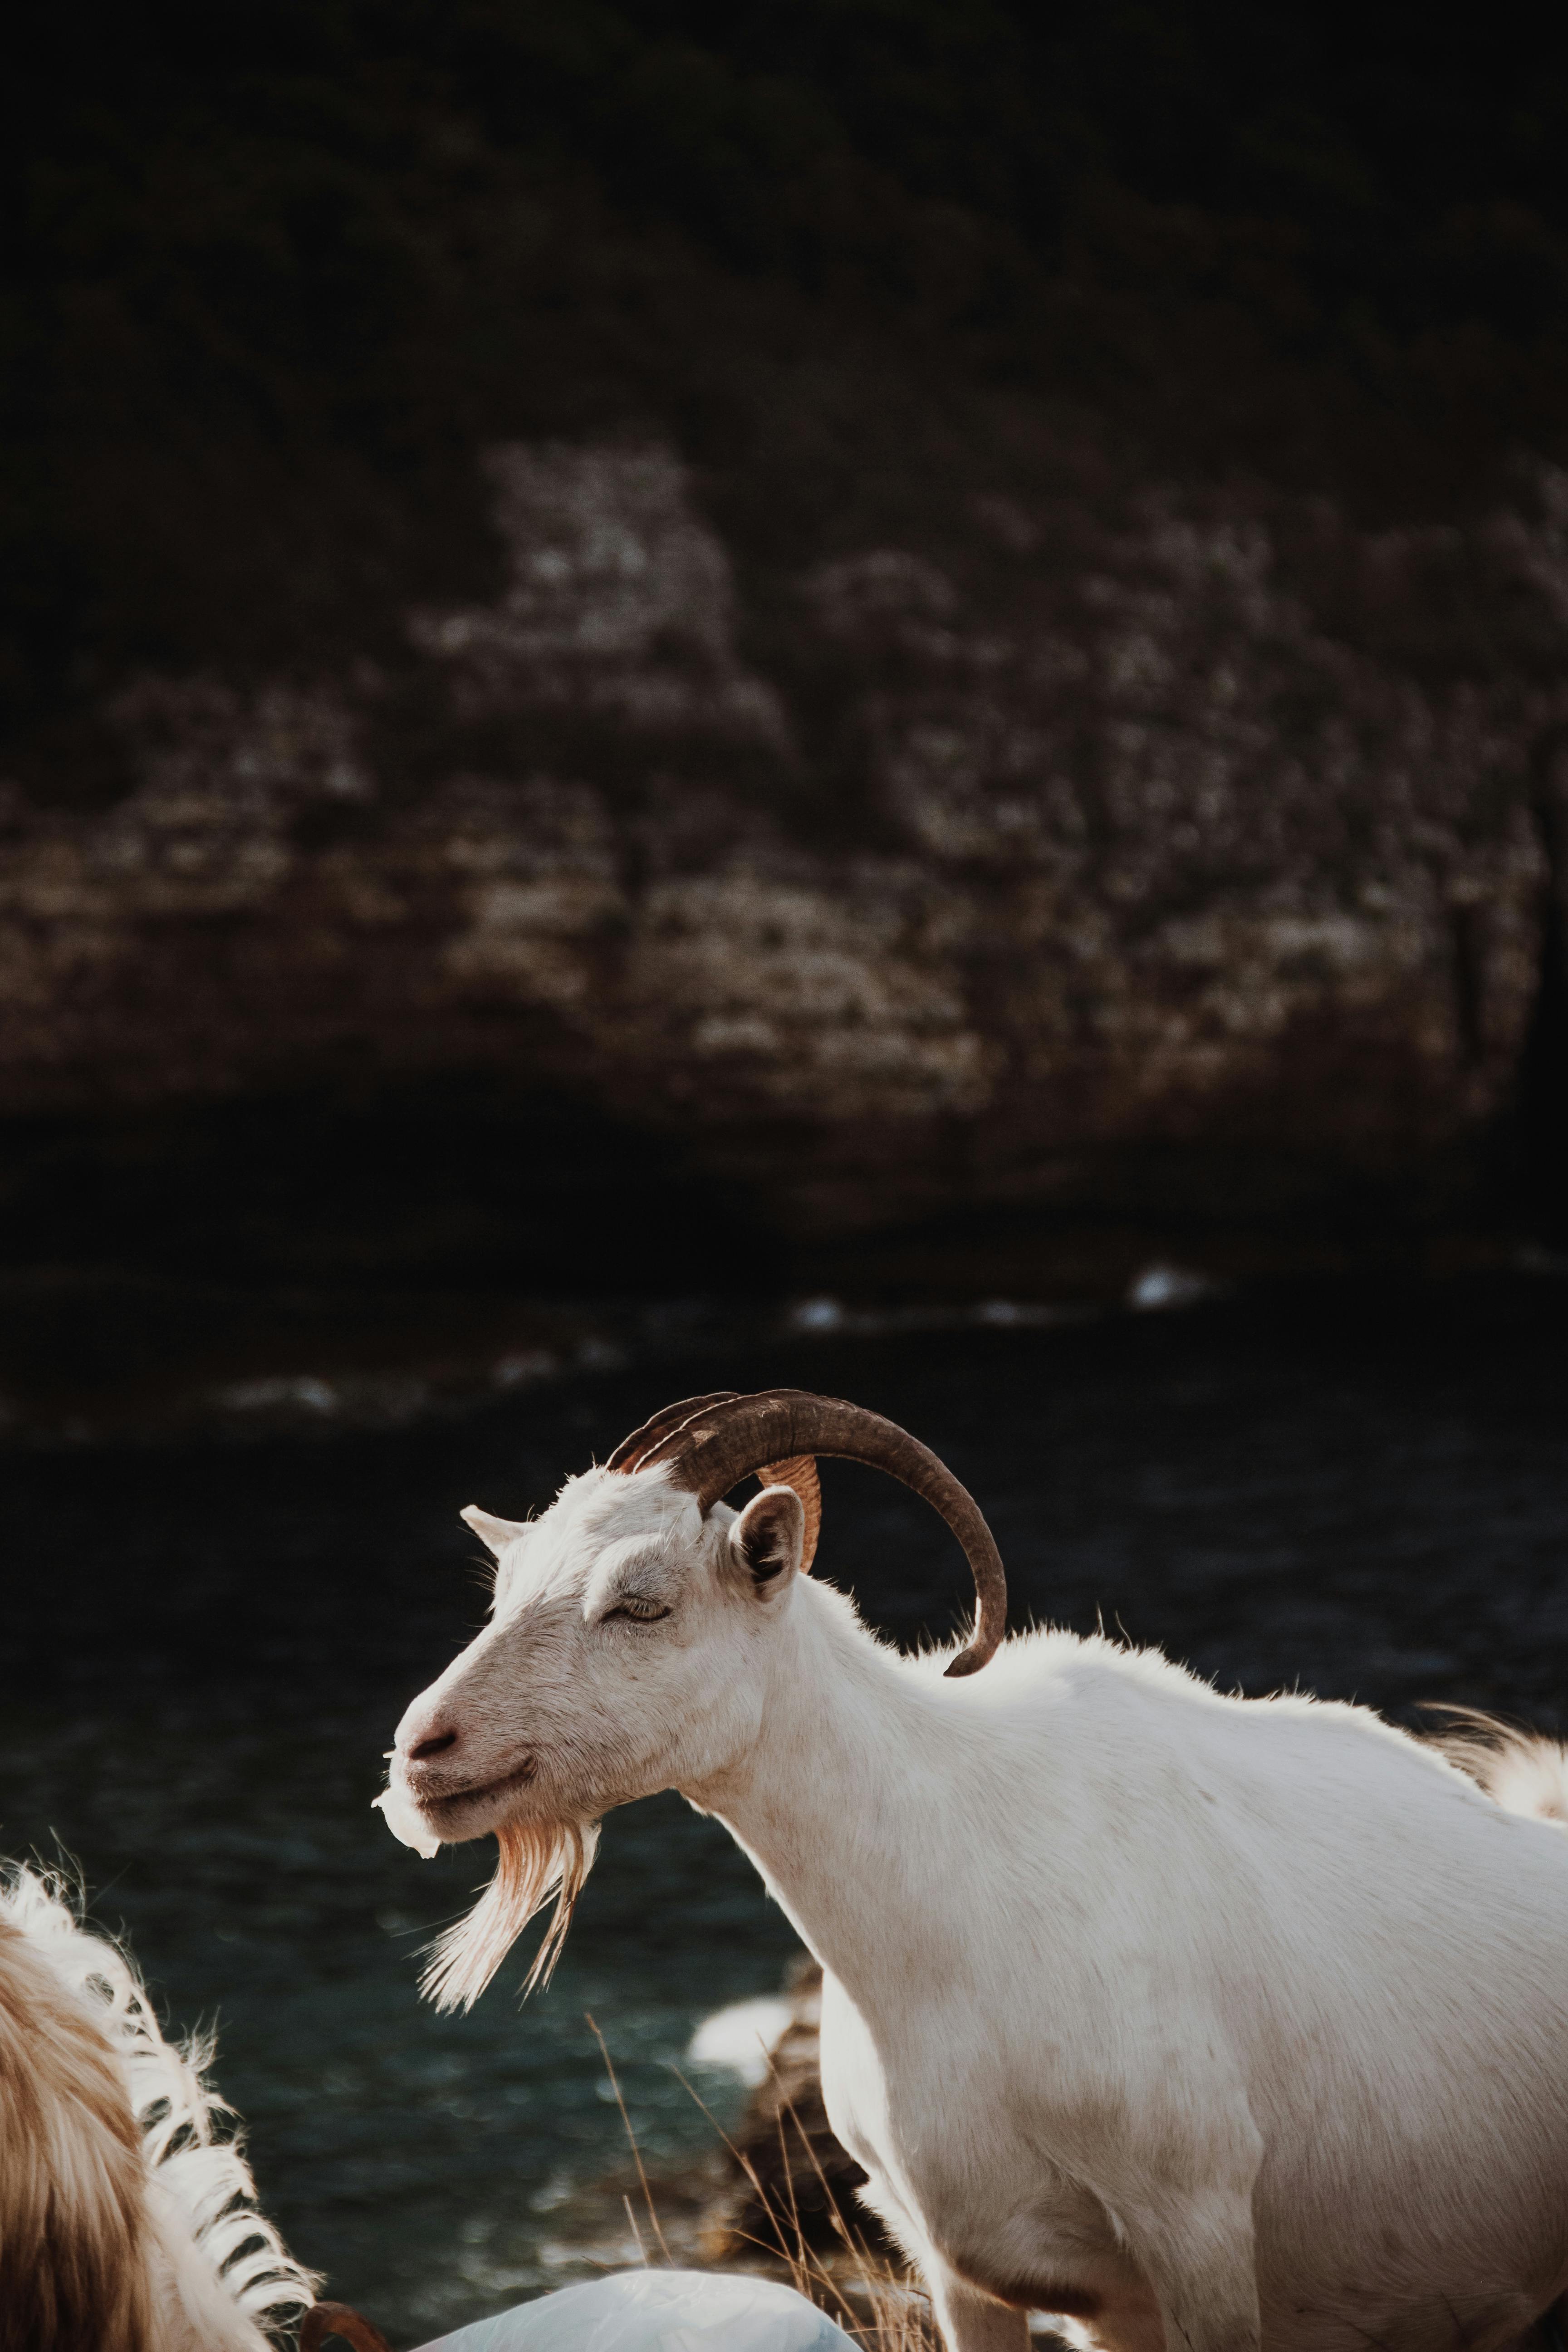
(870, 693)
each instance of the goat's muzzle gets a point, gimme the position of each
(437, 1792)
(430, 1805)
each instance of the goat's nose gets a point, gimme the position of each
(436, 1744)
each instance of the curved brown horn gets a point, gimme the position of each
(800, 1472)
(711, 1448)
(628, 1454)
(324, 2319)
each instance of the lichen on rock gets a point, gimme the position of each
(1154, 837)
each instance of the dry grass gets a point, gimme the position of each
(878, 2308)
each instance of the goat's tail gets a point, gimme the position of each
(128, 2215)
(1521, 1770)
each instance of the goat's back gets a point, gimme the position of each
(1382, 1947)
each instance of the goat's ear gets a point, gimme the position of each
(767, 1538)
(493, 1532)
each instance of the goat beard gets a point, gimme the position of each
(536, 1860)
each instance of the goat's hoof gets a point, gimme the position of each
(324, 2319)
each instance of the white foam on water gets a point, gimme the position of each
(740, 2040)
(1169, 1286)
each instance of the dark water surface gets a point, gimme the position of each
(205, 1648)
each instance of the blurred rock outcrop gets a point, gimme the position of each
(1176, 843)
(791, 2188)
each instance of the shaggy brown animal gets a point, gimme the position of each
(128, 2220)
(74, 2274)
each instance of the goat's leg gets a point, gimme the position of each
(970, 2321)
(1201, 2261)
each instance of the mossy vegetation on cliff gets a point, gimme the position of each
(876, 615)
(276, 268)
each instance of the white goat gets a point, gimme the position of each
(128, 2222)
(1203, 2021)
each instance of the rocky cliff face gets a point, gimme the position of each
(1171, 844)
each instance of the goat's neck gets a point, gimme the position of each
(855, 1798)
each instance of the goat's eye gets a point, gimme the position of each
(637, 1610)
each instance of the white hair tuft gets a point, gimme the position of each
(203, 2228)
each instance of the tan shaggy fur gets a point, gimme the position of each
(128, 2218)
(1519, 1769)
(537, 1859)
(73, 2270)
